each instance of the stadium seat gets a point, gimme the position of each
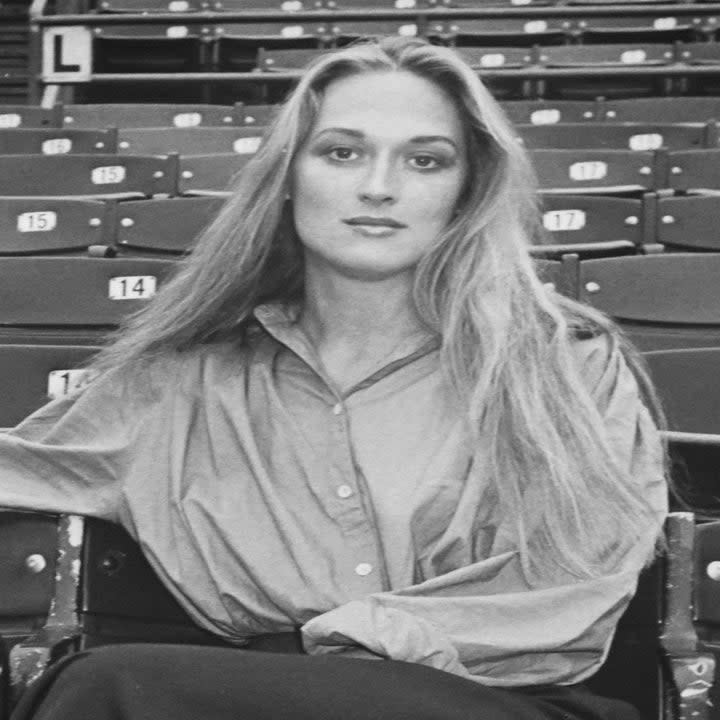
(686, 380)
(689, 223)
(559, 274)
(664, 301)
(500, 32)
(344, 32)
(483, 58)
(150, 48)
(98, 176)
(590, 226)
(189, 141)
(608, 172)
(57, 141)
(275, 60)
(209, 174)
(287, 6)
(694, 170)
(551, 112)
(631, 30)
(31, 375)
(123, 115)
(150, 6)
(39, 226)
(20, 116)
(237, 44)
(606, 56)
(163, 226)
(618, 136)
(50, 298)
(682, 109)
(117, 597)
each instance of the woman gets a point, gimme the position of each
(356, 411)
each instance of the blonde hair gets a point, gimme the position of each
(507, 342)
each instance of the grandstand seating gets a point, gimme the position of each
(209, 174)
(17, 116)
(694, 170)
(689, 222)
(57, 141)
(188, 141)
(148, 115)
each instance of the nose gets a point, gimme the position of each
(378, 184)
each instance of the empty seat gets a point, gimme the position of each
(150, 6)
(132, 115)
(209, 174)
(53, 294)
(257, 115)
(485, 58)
(662, 109)
(287, 60)
(343, 32)
(667, 300)
(189, 141)
(498, 32)
(689, 223)
(36, 226)
(57, 141)
(686, 380)
(17, 116)
(87, 175)
(551, 112)
(638, 29)
(163, 225)
(237, 44)
(590, 226)
(625, 136)
(608, 172)
(31, 375)
(694, 170)
(617, 60)
(149, 48)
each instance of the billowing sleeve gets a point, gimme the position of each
(72, 454)
(483, 621)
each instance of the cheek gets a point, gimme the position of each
(435, 201)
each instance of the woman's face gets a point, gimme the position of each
(379, 176)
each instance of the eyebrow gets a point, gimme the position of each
(418, 139)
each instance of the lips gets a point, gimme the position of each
(374, 222)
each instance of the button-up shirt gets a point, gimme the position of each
(268, 499)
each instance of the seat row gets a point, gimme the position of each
(588, 225)
(568, 171)
(665, 302)
(663, 110)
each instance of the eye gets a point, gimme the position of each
(424, 162)
(342, 153)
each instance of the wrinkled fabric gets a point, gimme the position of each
(268, 499)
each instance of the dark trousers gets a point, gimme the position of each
(179, 682)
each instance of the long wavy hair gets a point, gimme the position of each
(507, 342)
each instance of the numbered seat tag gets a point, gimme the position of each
(535, 26)
(589, 170)
(564, 220)
(37, 221)
(633, 57)
(247, 145)
(492, 60)
(132, 287)
(56, 146)
(407, 30)
(646, 141)
(292, 31)
(178, 6)
(108, 175)
(10, 120)
(176, 31)
(405, 4)
(546, 116)
(665, 23)
(189, 119)
(64, 382)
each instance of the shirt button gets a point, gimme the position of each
(344, 491)
(337, 409)
(363, 569)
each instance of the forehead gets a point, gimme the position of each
(389, 103)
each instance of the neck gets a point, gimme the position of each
(346, 311)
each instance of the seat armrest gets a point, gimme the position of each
(693, 671)
(29, 659)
